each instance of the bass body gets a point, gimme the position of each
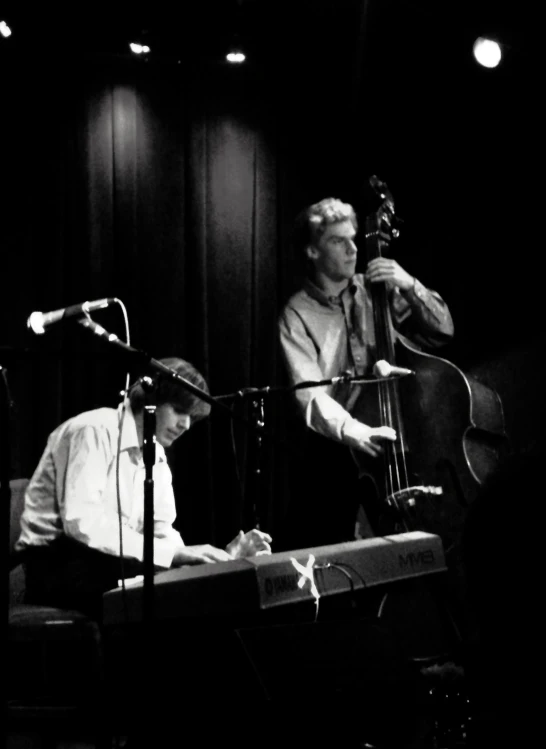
(451, 437)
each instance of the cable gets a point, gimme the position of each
(118, 492)
(382, 606)
(340, 566)
(335, 566)
(236, 457)
(352, 569)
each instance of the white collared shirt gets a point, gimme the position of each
(73, 490)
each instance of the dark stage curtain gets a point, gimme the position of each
(159, 188)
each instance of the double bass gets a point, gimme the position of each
(450, 427)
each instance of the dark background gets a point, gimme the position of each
(171, 182)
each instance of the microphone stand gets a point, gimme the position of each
(148, 455)
(257, 419)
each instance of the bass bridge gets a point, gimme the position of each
(411, 493)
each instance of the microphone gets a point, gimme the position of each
(382, 368)
(39, 321)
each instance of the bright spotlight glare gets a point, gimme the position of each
(139, 49)
(235, 57)
(487, 52)
(5, 29)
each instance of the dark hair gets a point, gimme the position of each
(171, 391)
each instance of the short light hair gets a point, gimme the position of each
(312, 222)
(173, 392)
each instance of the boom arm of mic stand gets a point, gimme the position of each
(258, 392)
(349, 379)
(146, 360)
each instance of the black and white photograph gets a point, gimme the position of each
(272, 379)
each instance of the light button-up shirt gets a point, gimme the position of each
(74, 489)
(324, 337)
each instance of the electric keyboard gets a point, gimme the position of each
(247, 586)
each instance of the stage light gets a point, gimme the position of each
(235, 56)
(487, 52)
(139, 49)
(5, 29)
(234, 49)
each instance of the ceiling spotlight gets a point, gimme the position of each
(139, 49)
(5, 29)
(235, 46)
(487, 52)
(235, 55)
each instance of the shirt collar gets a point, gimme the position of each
(320, 296)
